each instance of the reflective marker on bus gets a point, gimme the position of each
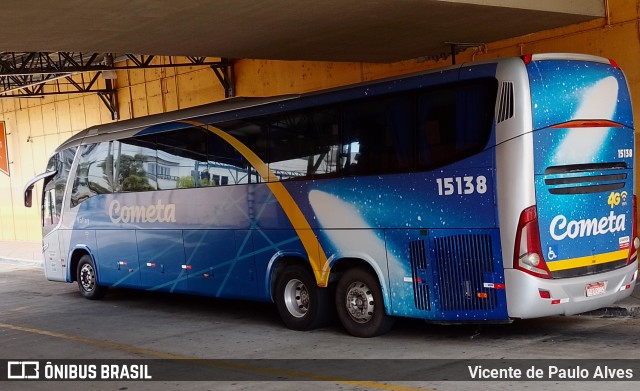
(483, 192)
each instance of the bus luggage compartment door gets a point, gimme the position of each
(162, 260)
(221, 263)
(449, 275)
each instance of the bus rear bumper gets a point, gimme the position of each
(532, 297)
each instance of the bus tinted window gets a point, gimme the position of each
(182, 159)
(455, 122)
(304, 143)
(253, 135)
(378, 135)
(136, 165)
(399, 133)
(95, 172)
(114, 166)
(55, 187)
(225, 165)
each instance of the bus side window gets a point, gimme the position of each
(225, 165)
(50, 215)
(230, 163)
(135, 157)
(55, 188)
(378, 135)
(95, 172)
(454, 122)
(304, 143)
(182, 159)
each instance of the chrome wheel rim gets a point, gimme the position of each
(296, 298)
(360, 303)
(87, 277)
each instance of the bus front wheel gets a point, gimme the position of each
(87, 279)
(360, 305)
(302, 305)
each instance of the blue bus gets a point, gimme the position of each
(484, 192)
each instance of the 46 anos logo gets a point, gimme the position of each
(616, 198)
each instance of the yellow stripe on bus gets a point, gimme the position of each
(316, 254)
(587, 261)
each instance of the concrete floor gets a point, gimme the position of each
(41, 320)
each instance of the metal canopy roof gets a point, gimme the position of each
(321, 30)
(43, 44)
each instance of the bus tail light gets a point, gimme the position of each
(587, 123)
(527, 254)
(633, 249)
(544, 294)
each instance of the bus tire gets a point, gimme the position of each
(360, 305)
(302, 305)
(88, 281)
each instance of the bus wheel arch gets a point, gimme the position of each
(340, 266)
(301, 303)
(87, 277)
(359, 299)
(73, 263)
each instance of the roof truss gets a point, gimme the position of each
(38, 74)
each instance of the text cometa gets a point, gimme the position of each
(562, 228)
(152, 213)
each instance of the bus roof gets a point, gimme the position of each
(447, 74)
(230, 104)
(239, 103)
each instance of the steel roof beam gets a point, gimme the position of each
(32, 74)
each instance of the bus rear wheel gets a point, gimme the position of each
(87, 280)
(360, 305)
(302, 305)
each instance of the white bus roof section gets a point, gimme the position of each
(328, 30)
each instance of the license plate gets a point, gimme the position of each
(596, 289)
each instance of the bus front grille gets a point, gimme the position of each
(461, 263)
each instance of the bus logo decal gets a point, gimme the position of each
(616, 199)
(560, 228)
(159, 212)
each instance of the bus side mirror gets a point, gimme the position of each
(28, 189)
(28, 196)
